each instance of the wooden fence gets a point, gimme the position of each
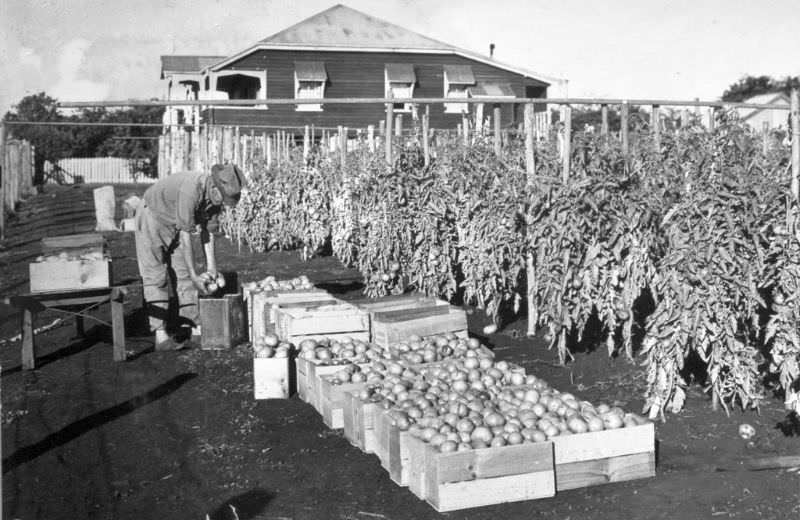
(96, 170)
(16, 175)
(197, 146)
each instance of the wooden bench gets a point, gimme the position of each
(77, 303)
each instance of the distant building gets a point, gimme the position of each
(344, 53)
(756, 117)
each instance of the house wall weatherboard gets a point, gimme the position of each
(360, 75)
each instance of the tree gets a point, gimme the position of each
(51, 142)
(749, 86)
(60, 139)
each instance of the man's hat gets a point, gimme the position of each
(228, 179)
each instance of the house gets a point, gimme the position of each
(756, 117)
(344, 53)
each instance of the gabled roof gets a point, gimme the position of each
(770, 98)
(342, 28)
(186, 64)
(346, 27)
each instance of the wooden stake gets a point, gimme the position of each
(711, 121)
(623, 127)
(237, 146)
(398, 127)
(604, 120)
(479, 118)
(3, 183)
(655, 124)
(306, 142)
(388, 133)
(465, 127)
(342, 147)
(426, 145)
(795, 114)
(567, 142)
(371, 138)
(765, 137)
(498, 143)
(530, 170)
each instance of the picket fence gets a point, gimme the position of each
(95, 170)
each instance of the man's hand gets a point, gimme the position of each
(200, 284)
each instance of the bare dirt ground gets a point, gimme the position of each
(178, 434)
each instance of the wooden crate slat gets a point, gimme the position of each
(358, 418)
(498, 490)
(489, 463)
(405, 314)
(574, 475)
(431, 475)
(428, 322)
(332, 399)
(604, 444)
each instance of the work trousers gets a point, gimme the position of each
(163, 270)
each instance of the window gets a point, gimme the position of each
(457, 82)
(400, 81)
(309, 83)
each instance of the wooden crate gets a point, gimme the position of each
(394, 302)
(309, 382)
(333, 321)
(271, 378)
(332, 399)
(592, 458)
(260, 313)
(391, 447)
(392, 326)
(358, 419)
(67, 275)
(222, 322)
(473, 478)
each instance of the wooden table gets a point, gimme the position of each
(77, 303)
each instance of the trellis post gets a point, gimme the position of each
(795, 115)
(530, 170)
(388, 132)
(498, 143)
(623, 127)
(604, 120)
(567, 152)
(655, 123)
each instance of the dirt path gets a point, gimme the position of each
(178, 435)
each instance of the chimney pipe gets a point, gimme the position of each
(491, 50)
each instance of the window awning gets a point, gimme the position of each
(400, 73)
(459, 74)
(490, 89)
(310, 71)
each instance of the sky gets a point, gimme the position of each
(98, 50)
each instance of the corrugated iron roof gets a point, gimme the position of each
(341, 27)
(346, 27)
(187, 64)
